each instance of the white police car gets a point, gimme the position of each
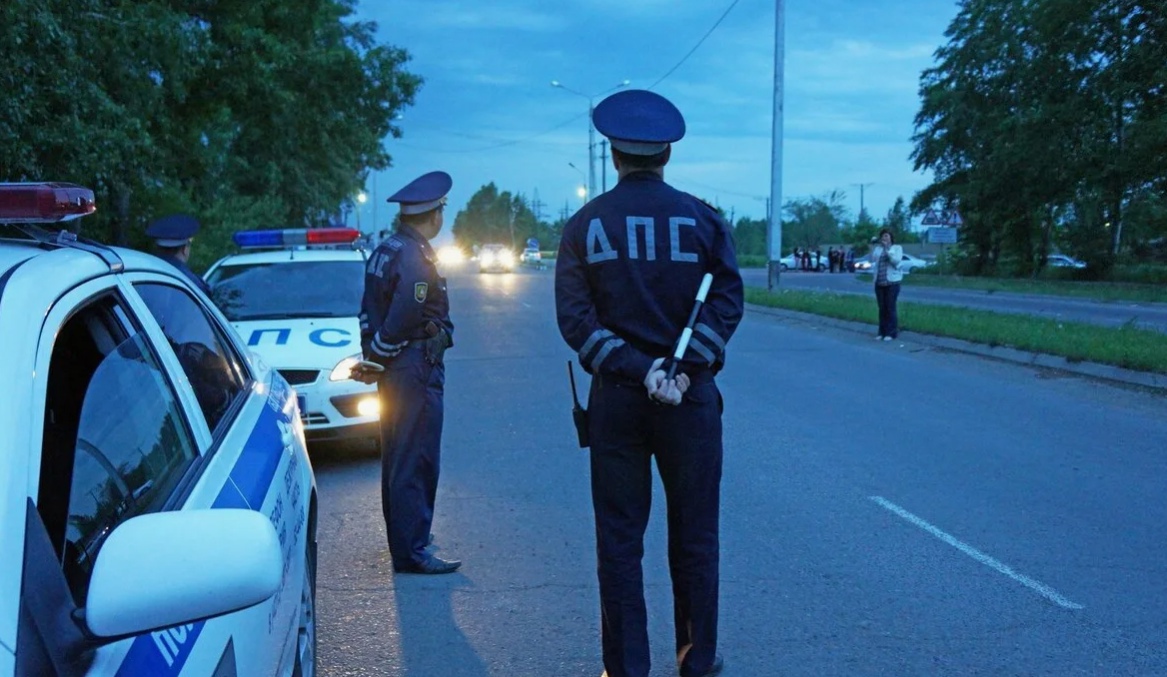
(297, 304)
(157, 505)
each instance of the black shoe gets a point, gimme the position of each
(432, 565)
(714, 669)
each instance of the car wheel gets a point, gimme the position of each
(782, 267)
(306, 635)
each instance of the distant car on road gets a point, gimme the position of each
(1063, 261)
(907, 264)
(788, 263)
(495, 258)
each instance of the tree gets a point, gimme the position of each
(491, 217)
(1044, 120)
(750, 236)
(814, 221)
(268, 112)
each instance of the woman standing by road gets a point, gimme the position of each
(887, 257)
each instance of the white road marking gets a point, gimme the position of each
(1037, 586)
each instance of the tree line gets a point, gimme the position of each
(1044, 122)
(247, 113)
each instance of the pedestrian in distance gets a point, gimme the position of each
(406, 329)
(630, 264)
(173, 237)
(887, 256)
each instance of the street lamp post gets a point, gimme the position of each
(591, 128)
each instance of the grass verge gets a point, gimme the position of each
(1128, 347)
(1098, 291)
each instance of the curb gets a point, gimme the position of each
(1094, 370)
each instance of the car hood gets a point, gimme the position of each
(317, 343)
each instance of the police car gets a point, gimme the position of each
(157, 505)
(295, 298)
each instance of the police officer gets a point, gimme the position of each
(630, 264)
(172, 237)
(406, 328)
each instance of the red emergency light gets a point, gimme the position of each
(44, 202)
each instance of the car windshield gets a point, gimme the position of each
(288, 289)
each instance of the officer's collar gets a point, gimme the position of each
(409, 232)
(643, 175)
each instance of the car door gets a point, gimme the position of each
(249, 434)
(111, 437)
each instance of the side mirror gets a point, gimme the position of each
(170, 568)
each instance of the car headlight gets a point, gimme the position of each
(343, 369)
(369, 406)
(451, 255)
(487, 259)
(506, 258)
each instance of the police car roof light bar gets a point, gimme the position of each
(44, 202)
(294, 237)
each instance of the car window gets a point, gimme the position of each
(115, 441)
(216, 373)
(258, 291)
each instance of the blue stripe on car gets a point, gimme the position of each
(165, 652)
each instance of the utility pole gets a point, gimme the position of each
(537, 206)
(774, 232)
(604, 163)
(862, 186)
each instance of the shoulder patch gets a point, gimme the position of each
(421, 291)
(394, 243)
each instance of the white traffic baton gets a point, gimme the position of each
(687, 334)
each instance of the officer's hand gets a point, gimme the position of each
(655, 376)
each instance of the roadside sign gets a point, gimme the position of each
(952, 218)
(932, 218)
(942, 235)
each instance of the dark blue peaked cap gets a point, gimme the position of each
(639, 122)
(425, 193)
(174, 230)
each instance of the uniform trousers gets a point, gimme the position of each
(411, 392)
(627, 432)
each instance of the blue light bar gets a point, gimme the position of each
(259, 238)
(294, 237)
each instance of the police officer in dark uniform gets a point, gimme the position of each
(406, 328)
(172, 237)
(629, 268)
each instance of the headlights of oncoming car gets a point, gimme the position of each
(343, 369)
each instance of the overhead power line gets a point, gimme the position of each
(699, 43)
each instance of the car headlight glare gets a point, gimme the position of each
(343, 369)
(369, 406)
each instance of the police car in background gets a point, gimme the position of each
(296, 303)
(157, 505)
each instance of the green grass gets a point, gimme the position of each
(1127, 347)
(1098, 291)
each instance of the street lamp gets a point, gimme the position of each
(591, 127)
(582, 191)
(361, 199)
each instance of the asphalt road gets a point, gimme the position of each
(1111, 314)
(887, 510)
